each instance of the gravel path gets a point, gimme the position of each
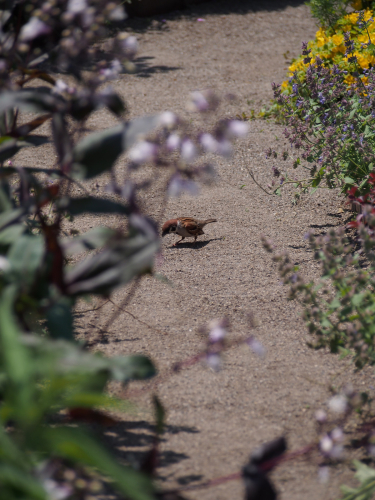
(216, 419)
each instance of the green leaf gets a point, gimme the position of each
(9, 217)
(76, 445)
(60, 319)
(10, 234)
(22, 482)
(116, 265)
(14, 356)
(10, 146)
(126, 368)
(348, 180)
(25, 257)
(358, 298)
(97, 152)
(31, 100)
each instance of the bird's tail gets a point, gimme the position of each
(208, 221)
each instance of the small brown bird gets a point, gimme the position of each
(187, 227)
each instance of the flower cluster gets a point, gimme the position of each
(331, 47)
(329, 126)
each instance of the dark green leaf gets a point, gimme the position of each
(32, 101)
(97, 152)
(25, 257)
(10, 234)
(10, 146)
(114, 266)
(159, 415)
(10, 217)
(14, 356)
(60, 319)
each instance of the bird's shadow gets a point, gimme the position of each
(195, 246)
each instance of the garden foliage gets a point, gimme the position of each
(47, 379)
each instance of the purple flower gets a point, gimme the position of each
(198, 102)
(256, 346)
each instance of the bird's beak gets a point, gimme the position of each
(164, 233)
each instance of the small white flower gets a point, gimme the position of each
(130, 46)
(213, 360)
(173, 142)
(142, 152)
(323, 474)
(238, 128)
(113, 71)
(321, 416)
(34, 28)
(60, 87)
(188, 151)
(209, 143)
(338, 403)
(76, 6)
(326, 444)
(217, 330)
(337, 434)
(198, 102)
(117, 14)
(168, 119)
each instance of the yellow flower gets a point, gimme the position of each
(353, 17)
(367, 15)
(337, 39)
(349, 79)
(321, 37)
(362, 60)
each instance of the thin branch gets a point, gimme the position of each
(256, 182)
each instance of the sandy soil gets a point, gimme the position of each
(216, 419)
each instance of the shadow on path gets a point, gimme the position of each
(213, 7)
(195, 246)
(144, 68)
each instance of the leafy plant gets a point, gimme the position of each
(366, 490)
